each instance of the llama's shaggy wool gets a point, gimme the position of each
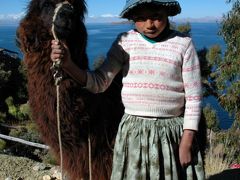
(79, 109)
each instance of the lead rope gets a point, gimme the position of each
(56, 67)
(58, 77)
(59, 132)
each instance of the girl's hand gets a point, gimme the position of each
(57, 50)
(185, 155)
(61, 52)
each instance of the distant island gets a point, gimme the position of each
(122, 22)
(180, 20)
(207, 19)
(118, 20)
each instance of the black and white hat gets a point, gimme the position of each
(173, 6)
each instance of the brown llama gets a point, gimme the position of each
(81, 112)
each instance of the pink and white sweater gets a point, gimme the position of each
(161, 79)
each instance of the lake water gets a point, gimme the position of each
(101, 37)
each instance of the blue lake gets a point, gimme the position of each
(101, 37)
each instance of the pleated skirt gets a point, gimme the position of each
(147, 149)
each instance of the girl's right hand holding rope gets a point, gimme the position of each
(61, 52)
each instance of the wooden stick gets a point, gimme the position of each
(10, 138)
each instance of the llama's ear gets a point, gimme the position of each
(80, 7)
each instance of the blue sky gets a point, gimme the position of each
(111, 8)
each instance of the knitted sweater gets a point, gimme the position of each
(161, 79)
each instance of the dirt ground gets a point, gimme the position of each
(19, 168)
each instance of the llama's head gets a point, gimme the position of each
(36, 27)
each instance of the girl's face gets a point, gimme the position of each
(150, 21)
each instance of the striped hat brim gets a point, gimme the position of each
(172, 6)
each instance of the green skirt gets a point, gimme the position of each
(147, 149)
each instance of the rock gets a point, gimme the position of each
(57, 175)
(39, 167)
(19, 178)
(8, 178)
(56, 172)
(47, 177)
(55, 169)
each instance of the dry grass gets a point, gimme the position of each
(216, 161)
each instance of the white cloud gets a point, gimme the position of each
(92, 16)
(109, 16)
(12, 17)
(103, 18)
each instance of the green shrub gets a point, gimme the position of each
(29, 132)
(24, 112)
(2, 117)
(49, 159)
(12, 109)
(19, 112)
(185, 28)
(211, 118)
(2, 144)
(19, 132)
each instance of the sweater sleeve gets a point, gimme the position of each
(193, 88)
(100, 79)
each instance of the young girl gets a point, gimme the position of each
(161, 94)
